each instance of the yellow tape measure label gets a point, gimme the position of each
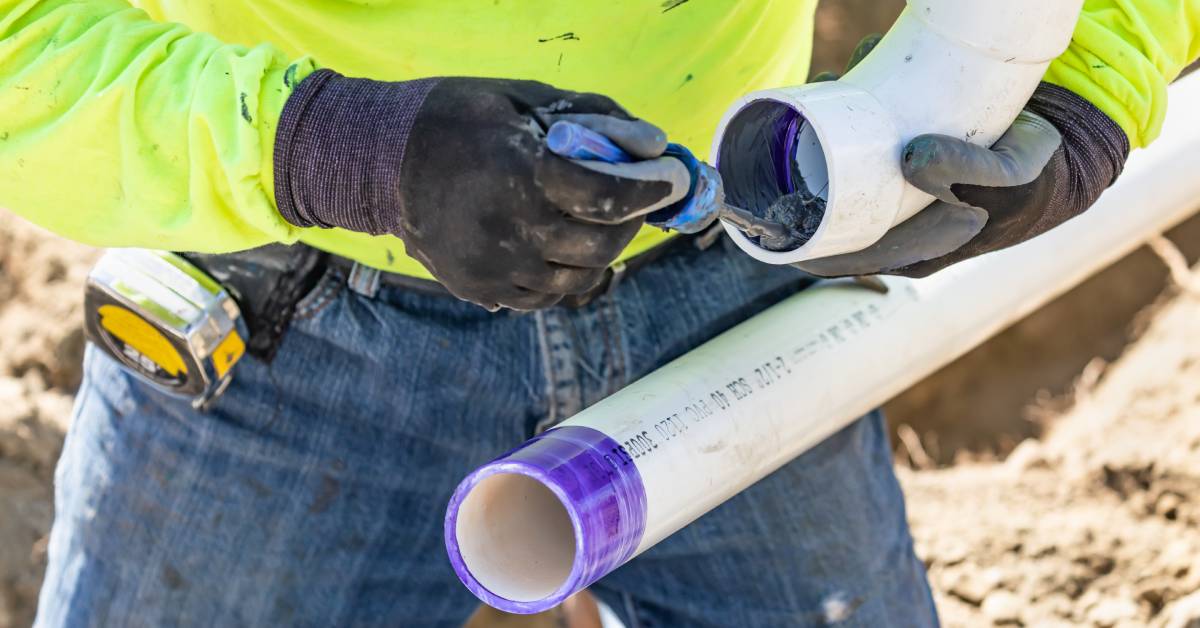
(228, 353)
(143, 345)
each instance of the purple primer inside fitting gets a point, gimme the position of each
(784, 151)
(757, 154)
(757, 160)
(602, 494)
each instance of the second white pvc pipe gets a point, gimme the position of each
(963, 68)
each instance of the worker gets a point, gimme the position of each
(426, 286)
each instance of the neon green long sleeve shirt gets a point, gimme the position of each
(154, 127)
(1124, 54)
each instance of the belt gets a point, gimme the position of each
(612, 276)
(269, 281)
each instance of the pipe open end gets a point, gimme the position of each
(540, 524)
(516, 538)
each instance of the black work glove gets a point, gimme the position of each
(1052, 164)
(458, 169)
(860, 52)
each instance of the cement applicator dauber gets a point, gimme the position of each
(704, 203)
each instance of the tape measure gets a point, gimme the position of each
(165, 321)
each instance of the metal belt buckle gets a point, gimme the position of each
(165, 321)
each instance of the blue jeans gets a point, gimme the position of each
(312, 493)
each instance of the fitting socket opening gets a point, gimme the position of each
(773, 164)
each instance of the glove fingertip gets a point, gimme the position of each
(610, 194)
(933, 163)
(927, 151)
(863, 50)
(640, 139)
(663, 169)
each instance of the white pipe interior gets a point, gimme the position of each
(812, 162)
(515, 537)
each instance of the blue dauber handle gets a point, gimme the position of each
(705, 200)
(691, 215)
(575, 141)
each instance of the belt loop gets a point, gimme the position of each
(364, 280)
(709, 237)
(618, 273)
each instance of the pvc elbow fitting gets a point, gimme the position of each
(952, 67)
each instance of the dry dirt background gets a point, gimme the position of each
(1093, 520)
(40, 352)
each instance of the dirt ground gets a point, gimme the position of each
(1097, 523)
(41, 347)
(1093, 519)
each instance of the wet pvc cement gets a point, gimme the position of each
(583, 514)
(757, 162)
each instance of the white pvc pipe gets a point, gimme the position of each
(963, 68)
(551, 517)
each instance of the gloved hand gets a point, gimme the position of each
(860, 52)
(458, 169)
(1050, 166)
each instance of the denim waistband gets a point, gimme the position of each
(268, 282)
(367, 281)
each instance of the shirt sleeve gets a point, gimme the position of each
(1124, 54)
(118, 130)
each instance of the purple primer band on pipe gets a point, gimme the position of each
(602, 493)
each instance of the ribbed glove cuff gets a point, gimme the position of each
(1094, 146)
(339, 150)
